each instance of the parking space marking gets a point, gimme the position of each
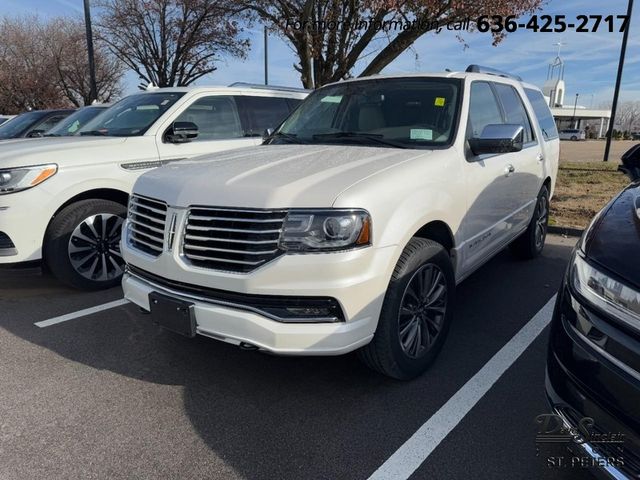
(81, 313)
(417, 449)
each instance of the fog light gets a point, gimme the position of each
(306, 310)
(309, 311)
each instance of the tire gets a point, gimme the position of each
(574, 138)
(387, 353)
(530, 244)
(76, 249)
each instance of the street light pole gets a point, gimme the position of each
(92, 64)
(575, 105)
(616, 92)
(266, 57)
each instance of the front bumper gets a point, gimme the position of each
(357, 280)
(24, 217)
(242, 326)
(589, 375)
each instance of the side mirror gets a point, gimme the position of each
(35, 134)
(631, 163)
(498, 138)
(182, 132)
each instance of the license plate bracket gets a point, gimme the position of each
(172, 314)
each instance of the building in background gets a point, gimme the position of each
(572, 115)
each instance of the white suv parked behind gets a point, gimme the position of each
(65, 198)
(351, 227)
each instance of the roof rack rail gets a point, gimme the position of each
(259, 86)
(491, 71)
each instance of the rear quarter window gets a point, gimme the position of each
(543, 114)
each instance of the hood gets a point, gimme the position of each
(614, 238)
(17, 153)
(270, 176)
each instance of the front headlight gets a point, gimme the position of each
(325, 230)
(21, 178)
(615, 298)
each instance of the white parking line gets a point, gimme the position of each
(417, 449)
(81, 313)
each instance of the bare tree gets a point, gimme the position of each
(68, 48)
(171, 42)
(44, 65)
(27, 73)
(628, 115)
(330, 36)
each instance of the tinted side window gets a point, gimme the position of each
(543, 114)
(216, 117)
(514, 109)
(263, 112)
(483, 109)
(50, 122)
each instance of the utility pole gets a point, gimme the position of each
(575, 105)
(92, 64)
(266, 57)
(616, 92)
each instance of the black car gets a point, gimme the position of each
(32, 124)
(593, 364)
(74, 122)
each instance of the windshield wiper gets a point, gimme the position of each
(292, 137)
(51, 135)
(94, 133)
(376, 137)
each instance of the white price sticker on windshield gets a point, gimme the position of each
(421, 134)
(331, 99)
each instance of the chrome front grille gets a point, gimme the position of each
(147, 218)
(232, 240)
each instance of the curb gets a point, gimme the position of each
(566, 231)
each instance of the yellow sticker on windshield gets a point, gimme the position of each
(439, 102)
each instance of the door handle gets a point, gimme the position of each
(508, 170)
(540, 157)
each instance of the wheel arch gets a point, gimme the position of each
(438, 231)
(113, 194)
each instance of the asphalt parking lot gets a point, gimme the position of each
(110, 395)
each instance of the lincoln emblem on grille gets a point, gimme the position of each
(172, 231)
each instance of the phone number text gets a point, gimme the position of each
(553, 23)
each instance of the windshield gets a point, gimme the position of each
(403, 113)
(74, 122)
(131, 116)
(19, 124)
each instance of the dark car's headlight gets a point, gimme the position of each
(21, 178)
(325, 230)
(615, 298)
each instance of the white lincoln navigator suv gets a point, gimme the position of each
(63, 199)
(351, 226)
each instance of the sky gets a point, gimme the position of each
(591, 59)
